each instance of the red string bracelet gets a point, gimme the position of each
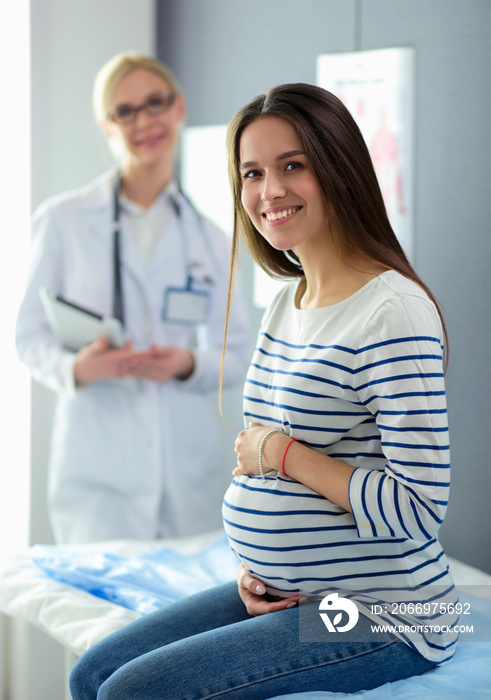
(284, 457)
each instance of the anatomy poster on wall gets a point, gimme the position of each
(378, 89)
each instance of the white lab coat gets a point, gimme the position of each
(132, 459)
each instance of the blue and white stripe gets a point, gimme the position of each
(361, 381)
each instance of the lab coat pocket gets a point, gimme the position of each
(95, 438)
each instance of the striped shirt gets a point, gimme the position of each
(361, 381)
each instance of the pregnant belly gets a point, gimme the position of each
(284, 533)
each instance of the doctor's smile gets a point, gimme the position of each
(151, 141)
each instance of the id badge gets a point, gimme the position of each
(186, 305)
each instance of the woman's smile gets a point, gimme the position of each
(151, 141)
(276, 217)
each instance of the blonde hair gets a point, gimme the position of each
(112, 72)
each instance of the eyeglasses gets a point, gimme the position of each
(156, 104)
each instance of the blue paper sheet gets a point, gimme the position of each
(142, 583)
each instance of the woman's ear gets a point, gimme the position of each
(107, 128)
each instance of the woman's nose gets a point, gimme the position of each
(273, 188)
(142, 117)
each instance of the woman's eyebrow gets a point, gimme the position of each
(282, 156)
(290, 154)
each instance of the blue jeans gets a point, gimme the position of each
(207, 646)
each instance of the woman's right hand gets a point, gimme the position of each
(97, 361)
(253, 592)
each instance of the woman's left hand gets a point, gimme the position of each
(247, 449)
(160, 364)
(254, 597)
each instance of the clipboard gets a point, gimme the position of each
(76, 326)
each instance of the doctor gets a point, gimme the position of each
(136, 441)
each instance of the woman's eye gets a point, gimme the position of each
(157, 102)
(123, 111)
(294, 165)
(250, 174)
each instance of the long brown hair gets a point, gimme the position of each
(339, 157)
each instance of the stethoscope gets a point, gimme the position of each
(185, 305)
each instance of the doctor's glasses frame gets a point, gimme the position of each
(153, 106)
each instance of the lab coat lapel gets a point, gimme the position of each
(99, 206)
(130, 258)
(96, 206)
(167, 258)
(168, 255)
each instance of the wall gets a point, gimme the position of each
(225, 53)
(69, 42)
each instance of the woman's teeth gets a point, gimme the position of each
(275, 215)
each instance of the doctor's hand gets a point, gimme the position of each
(160, 364)
(98, 361)
(254, 596)
(247, 449)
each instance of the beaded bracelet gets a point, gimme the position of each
(261, 445)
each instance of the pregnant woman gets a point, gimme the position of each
(342, 473)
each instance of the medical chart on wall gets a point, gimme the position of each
(378, 89)
(204, 177)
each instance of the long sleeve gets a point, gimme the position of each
(399, 378)
(36, 345)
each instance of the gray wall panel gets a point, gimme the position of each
(225, 52)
